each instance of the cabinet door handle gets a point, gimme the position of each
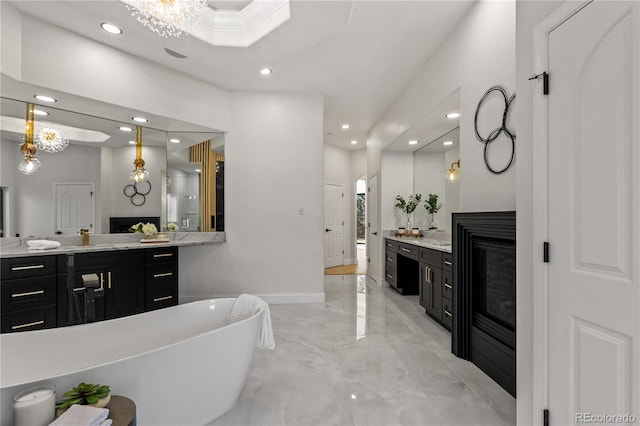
(447, 285)
(446, 262)
(28, 293)
(79, 289)
(390, 276)
(389, 259)
(109, 280)
(163, 255)
(405, 249)
(31, 324)
(25, 268)
(165, 274)
(447, 313)
(427, 272)
(160, 299)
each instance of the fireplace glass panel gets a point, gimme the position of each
(494, 291)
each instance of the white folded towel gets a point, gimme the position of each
(247, 305)
(83, 415)
(42, 244)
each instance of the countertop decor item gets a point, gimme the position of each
(34, 406)
(86, 394)
(408, 206)
(432, 206)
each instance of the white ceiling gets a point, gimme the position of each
(359, 54)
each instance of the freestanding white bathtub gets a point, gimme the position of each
(183, 365)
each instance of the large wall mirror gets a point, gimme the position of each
(88, 183)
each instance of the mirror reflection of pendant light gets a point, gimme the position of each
(50, 139)
(139, 174)
(454, 173)
(29, 164)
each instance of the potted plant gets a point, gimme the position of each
(432, 207)
(408, 206)
(86, 394)
(148, 229)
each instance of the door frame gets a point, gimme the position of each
(540, 353)
(55, 202)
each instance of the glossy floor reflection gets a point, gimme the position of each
(367, 356)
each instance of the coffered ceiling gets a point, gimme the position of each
(359, 54)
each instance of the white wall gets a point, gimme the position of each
(478, 54)
(396, 178)
(273, 166)
(33, 195)
(428, 178)
(528, 14)
(155, 159)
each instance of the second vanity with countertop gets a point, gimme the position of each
(422, 266)
(115, 275)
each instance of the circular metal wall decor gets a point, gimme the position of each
(137, 192)
(493, 135)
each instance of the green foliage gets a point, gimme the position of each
(408, 207)
(432, 204)
(84, 394)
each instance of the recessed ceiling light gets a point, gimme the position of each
(125, 129)
(174, 140)
(40, 112)
(110, 28)
(139, 119)
(132, 142)
(447, 143)
(413, 142)
(453, 115)
(45, 98)
(345, 126)
(354, 142)
(197, 170)
(266, 71)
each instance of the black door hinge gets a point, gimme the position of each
(545, 417)
(545, 81)
(545, 252)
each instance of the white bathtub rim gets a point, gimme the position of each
(138, 354)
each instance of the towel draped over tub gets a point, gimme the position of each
(248, 305)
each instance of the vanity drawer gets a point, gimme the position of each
(29, 319)
(162, 274)
(391, 258)
(447, 313)
(27, 293)
(390, 276)
(447, 261)
(391, 245)
(408, 250)
(24, 267)
(162, 297)
(161, 254)
(432, 257)
(447, 285)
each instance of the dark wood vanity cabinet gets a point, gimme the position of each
(161, 277)
(50, 291)
(436, 285)
(401, 267)
(28, 293)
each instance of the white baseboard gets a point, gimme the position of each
(351, 261)
(271, 298)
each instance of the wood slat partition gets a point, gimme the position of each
(202, 153)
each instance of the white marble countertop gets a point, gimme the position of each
(432, 240)
(17, 247)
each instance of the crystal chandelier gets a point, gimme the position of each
(167, 17)
(139, 174)
(50, 139)
(29, 164)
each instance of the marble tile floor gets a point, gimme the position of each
(367, 356)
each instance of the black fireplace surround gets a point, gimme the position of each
(484, 328)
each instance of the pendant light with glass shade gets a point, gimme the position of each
(139, 174)
(453, 174)
(167, 17)
(50, 139)
(29, 164)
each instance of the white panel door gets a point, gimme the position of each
(334, 223)
(594, 216)
(373, 237)
(74, 207)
